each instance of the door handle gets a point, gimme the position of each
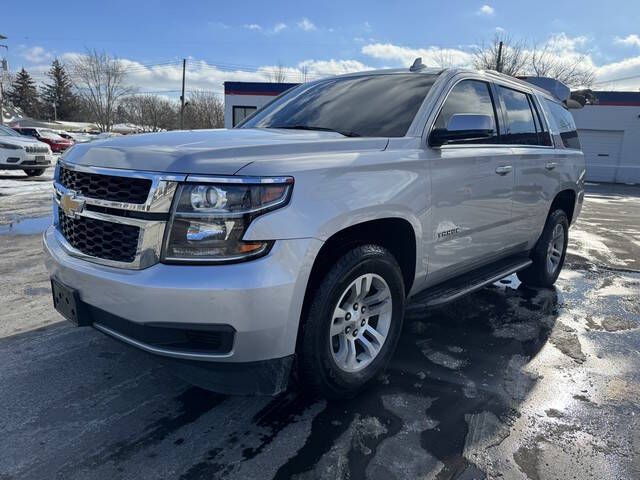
(504, 169)
(551, 165)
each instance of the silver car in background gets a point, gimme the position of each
(293, 241)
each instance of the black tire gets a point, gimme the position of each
(537, 274)
(317, 372)
(34, 172)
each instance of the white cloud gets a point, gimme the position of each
(632, 40)
(252, 26)
(486, 10)
(323, 68)
(560, 42)
(431, 56)
(35, 54)
(306, 25)
(623, 69)
(278, 27)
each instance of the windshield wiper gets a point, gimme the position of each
(313, 127)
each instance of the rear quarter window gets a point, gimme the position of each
(564, 124)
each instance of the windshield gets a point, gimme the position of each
(8, 132)
(363, 106)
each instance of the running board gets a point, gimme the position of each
(469, 282)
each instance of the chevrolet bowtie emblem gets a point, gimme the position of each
(71, 205)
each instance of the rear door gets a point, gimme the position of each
(537, 164)
(472, 186)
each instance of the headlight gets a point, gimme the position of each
(208, 220)
(10, 146)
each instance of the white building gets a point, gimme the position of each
(241, 99)
(609, 133)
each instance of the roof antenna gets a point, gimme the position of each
(417, 65)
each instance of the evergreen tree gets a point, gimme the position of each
(59, 92)
(23, 94)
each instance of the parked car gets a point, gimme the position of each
(20, 153)
(55, 141)
(75, 137)
(294, 240)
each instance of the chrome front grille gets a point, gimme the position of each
(106, 187)
(100, 239)
(110, 216)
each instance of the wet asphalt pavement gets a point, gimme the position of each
(507, 383)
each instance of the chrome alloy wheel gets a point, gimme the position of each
(360, 322)
(555, 249)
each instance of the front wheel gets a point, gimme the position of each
(549, 253)
(34, 172)
(353, 324)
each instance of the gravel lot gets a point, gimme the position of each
(507, 383)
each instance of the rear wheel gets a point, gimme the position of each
(34, 172)
(353, 323)
(549, 253)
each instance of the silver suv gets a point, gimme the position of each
(293, 241)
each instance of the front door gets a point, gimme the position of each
(472, 185)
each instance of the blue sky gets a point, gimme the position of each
(242, 40)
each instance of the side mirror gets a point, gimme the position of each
(463, 127)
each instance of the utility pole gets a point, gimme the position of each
(184, 69)
(499, 59)
(4, 73)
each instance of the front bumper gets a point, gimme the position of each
(19, 160)
(260, 299)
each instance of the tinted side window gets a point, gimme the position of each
(565, 124)
(470, 97)
(544, 136)
(521, 126)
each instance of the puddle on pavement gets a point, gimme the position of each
(490, 335)
(26, 226)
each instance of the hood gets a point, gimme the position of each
(217, 152)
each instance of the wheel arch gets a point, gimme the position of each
(566, 200)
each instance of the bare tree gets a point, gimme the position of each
(204, 110)
(514, 57)
(277, 74)
(151, 112)
(443, 58)
(100, 81)
(572, 71)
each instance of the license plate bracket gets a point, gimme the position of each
(67, 302)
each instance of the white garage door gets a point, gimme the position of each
(602, 153)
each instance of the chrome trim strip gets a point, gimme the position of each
(118, 172)
(163, 187)
(161, 351)
(239, 179)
